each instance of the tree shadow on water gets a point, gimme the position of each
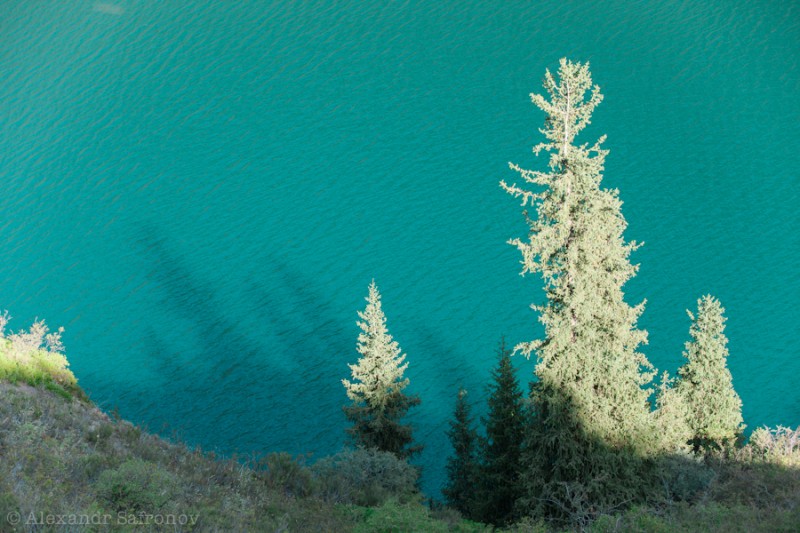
(261, 376)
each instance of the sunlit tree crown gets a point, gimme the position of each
(379, 371)
(714, 408)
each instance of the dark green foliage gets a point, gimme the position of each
(462, 467)
(501, 455)
(136, 486)
(684, 477)
(572, 476)
(364, 477)
(98, 436)
(714, 410)
(381, 429)
(285, 473)
(54, 387)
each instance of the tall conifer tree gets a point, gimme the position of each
(502, 452)
(592, 416)
(376, 391)
(705, 383)
(462, 468)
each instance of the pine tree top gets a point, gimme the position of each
(707, 350)
(461, 425)
(461, 467)
(379, 371)
(504, 391)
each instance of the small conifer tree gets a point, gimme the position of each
(671, 416)
(714, 410)
(502, 450)
(376, 389)
(462, 467)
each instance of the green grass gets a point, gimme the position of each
(396, 517)
(34, 358)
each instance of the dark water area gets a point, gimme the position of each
(201, 194)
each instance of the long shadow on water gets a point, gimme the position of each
(269, 385)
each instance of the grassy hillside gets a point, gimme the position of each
(67, 466)
(63, 458)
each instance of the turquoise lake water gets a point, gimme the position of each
(201, 193)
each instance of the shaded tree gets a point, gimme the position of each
(714, 410)
(502, 449)
(376, 389)
(592, 417)
(462, 466)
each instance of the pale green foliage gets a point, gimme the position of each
(576, 243)
(379, 371)
(778, 446)
(593, 382)
(376, 389)
(671, 413)
(714, 409)
(34, 356)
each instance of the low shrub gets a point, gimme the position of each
(88, 468)
(136, 486)
(527, 525)
(778, 446)
(8, 505)
(283, 472)
(684, 477)
(395, 517)
(36, 357)
(635, 519)
(364, 477)
(58, 390)
(99, 435)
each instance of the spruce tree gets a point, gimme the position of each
(378, 400)
(592, 419)
(705, 383)
(502, 450)
(671, 416)
(462, 467)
